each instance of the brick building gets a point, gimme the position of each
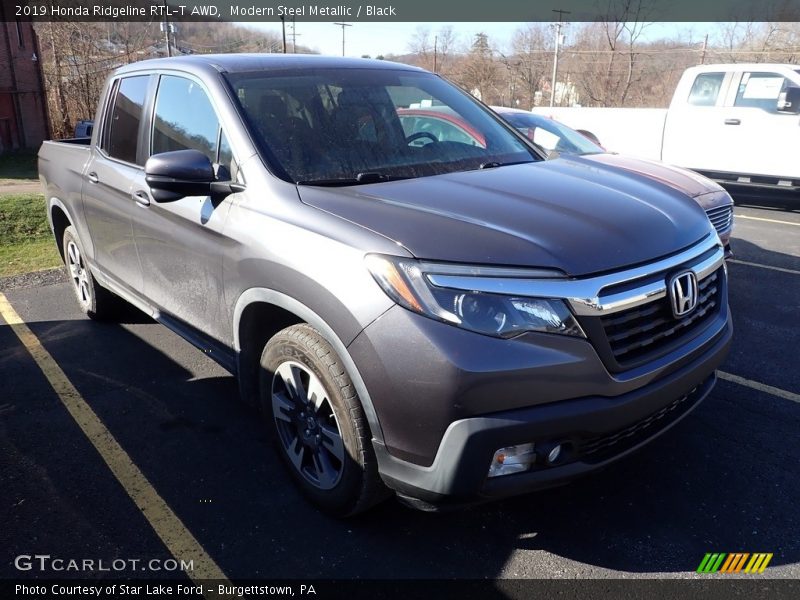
(23, 109)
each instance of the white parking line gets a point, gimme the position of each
(761, 387)
(736, 216)
(771, 268)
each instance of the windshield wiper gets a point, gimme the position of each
(360, 179)
(495, 164)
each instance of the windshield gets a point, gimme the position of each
(551, 135)
(347, 126)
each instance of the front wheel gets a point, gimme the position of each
(95, 301)
(318, 422)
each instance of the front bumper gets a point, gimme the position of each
(447, 380)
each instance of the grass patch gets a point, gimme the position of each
(28, 256)
(19, 165)
(26, 243)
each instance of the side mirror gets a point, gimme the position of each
(174, 175)
(789, 101)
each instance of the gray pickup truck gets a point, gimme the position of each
(412, 311)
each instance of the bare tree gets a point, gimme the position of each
(444, 44)
(422, 47)
(479, 71)
(77, 57)
(530, 60)
(615, 38)
(432, 50)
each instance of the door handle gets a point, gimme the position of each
(92, 177)
(733, 122)
(141, 197)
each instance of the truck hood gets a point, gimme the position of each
(570, 214)
(690, 183)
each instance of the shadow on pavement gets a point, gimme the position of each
(777, 200)
(723, 480)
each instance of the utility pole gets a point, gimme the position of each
(294, 36)
(283, 29)
(561, 14)
(435, 50)
(343, 25)
(166, 30)
(705, 46)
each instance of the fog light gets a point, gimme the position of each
(553, 455)
(514, 459)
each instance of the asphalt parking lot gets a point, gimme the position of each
(723, 480)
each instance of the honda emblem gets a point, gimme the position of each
(683, 293)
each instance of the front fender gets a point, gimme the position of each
(306, 314)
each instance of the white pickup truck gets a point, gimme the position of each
(736, 123)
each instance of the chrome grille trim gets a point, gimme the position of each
(646, 329)
(585, 295)
(721, 217)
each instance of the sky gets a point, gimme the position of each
(393, 38)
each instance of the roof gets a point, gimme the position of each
(747, 66)
(507, 110)
(238, 63)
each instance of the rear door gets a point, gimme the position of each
(180, 243)
(115, 169)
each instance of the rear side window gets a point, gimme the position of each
(184, 118)
(705, 89)
(124, 119)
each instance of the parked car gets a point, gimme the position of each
(449, 322)
(549, 134)
(83, 129)
(719, 122)
(438, 124)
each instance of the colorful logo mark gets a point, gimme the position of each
(721, 562)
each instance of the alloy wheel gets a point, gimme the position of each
(78, 273)
(307, 426)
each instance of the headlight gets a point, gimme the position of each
(406, 282)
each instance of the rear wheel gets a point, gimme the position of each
(95, 301)
(318, 422)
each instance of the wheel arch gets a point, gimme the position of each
(258, 315)
(59, 221)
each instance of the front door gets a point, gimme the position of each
(181, 243)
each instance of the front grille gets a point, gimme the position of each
(646, 329)
(721, 218)
(600, 447)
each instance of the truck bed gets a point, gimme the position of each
(61, 167)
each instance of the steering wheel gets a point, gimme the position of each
(419, 135)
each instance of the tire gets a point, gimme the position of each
(95, 301)
(321, 433)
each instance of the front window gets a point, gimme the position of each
(345, 126)
(761, 90)
(184, 118)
